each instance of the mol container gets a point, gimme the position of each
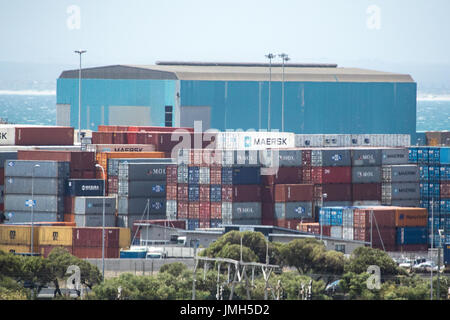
(366, 157)
(282, 158)
(142, 171)
(366, 174)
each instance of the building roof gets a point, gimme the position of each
(238, 72)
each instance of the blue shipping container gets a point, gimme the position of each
(444, 174)
(434, 155)
(412, 235)
(412, 155)
(325, 216)
(447, 254)
(216, 193)
(423, 173)
(336, 216)
(193, 224)
(241, 175)
(433, 173)
(194, 193)
(444, 157)
(193, 175)
(215, 223)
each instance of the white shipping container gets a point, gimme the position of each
(317, 140)
(379, 140)
(356, 140)
(204, 175)
(7, 135)
(336, 232)
(171, 209)
(255, 140)
(330, 140)
(347, 233)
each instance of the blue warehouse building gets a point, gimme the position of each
(318, 98)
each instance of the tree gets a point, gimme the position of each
(303, 254)
(176, 269)
(363, 257)
(36, 271)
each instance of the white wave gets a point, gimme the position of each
(28, 92)
(431, 97)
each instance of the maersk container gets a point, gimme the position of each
(89, 220)
(282, 158)
(394, 156)
(366, 174)
(40, 186)
(241, 175)
(412, 235)
(400, 173)
(7, 155)
(293, 210)
(366, 157)
(136, 206)
(42, 203)
(135, 189)
(85, 187)
(142, 171)
(331, 158)
(400, 191)
(114, 163)
(94, 205)
(37, 169)
(25, 216)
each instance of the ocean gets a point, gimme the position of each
(39, 107)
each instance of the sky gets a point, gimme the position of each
(394, 35)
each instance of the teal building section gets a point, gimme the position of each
(309, 107)
(98, 95)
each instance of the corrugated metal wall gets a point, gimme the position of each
(99, 94)
(310, 107)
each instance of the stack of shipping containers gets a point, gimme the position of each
(4, 156)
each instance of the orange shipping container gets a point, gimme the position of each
(69, 217)
(102, 157)
(411, 217)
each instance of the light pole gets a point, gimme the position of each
(269, 56)
(285, 58)
(32, 207)
(432, 242)
(80, 52)
(441, 235)
(103, 228)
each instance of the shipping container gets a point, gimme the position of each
(45, 250)
(399, 191)
(183, 192)
(216, 193)
(36, 135)
(39, 186)
(102, 158)
(366, 157)
(241, 193)
(204, 192)
(216, 210)
(411, 235)
(37, 169)
(194, 210)
(394, 156)
(18, 235)
(400, 173)
(79, 160)
(327, 175)
(182, 209)
(41, 203)
(171, 191)
(142, 171)
(216, 175)
(281, 158)
(136, 206)
(61, 236)
(366, 174)
(241, 210)
(194, 193)
(113, 164)
(293, 210)
(366, 191)
(25, 217)
(171, 209)
(293, 192)
(193, 175)
(95, 252)
(14, 248)
(241, 175)
(92, 237)
(410, 217)
(285, 175)
(85, 187)
(171, 174)
(94, 220)
(336, 232)
(240, 158)
(254, 140)
(183, 174)
(333, 192)
(5, 156)
(94, 205)
(331, 158)
(140, 188)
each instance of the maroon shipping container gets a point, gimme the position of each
(2, 176)
(178, 224)
(215, 173)
(315, 228)
(171, 191)
(194, 210)
(205, 211)
(102, 138)
(334, 192)
(241, 193)
(92, 237)
(380, 236)
(183, 192)
(326, 175)
(44, 136)
(163, 140)
(445, 190)
(88, 174)
(293, 192)
(204, 191)
(95, 252)
(284, 175)
(385, 217)
(79, 160)
(288, 223)
(119, 137)
(69, 203)
(366, 191)
(45, 250)
(171, 174)
(268, 212)
(136, 137)
(182, 209)
(268, 193)
(216, 210)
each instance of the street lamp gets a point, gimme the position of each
(103, 228)
(285, 58)
(80, 52)
(441, 235)
(269, 56)
(32, 207)
(432, 245)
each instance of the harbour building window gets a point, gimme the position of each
(340, 248)
(168, 116)
(12, 234)
(55, 236)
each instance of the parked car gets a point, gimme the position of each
(427, 267)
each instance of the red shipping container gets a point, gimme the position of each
(366, 191)
(79, 160)
(44, 136)
(194, 210)
(69, 203)
(284, 175)
(268, 193)
(183, 192)
(241, 193)
(326, 175)
(293, 192)
(88, 174)
(2, 176)
(45, 250)
(157, 129)
(268, 212)
(204, 190)
(445, 190)
(215, 173)
(171, 192)
(334, 192)
(171, 174)
(287, 223)
(216, 210)
(384, 216)
(102, 138)
(112, 185)
(205, 211)
(183, 210)
(119, 137)
(380, 236)
(92, 237)
(95, 252)
(163, 140)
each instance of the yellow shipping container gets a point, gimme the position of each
(17, 248)
(18, 235)
(124, 238)
(55, 236)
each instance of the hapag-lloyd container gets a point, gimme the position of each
(37, 169)
(35, 135)
(282, 158)
(366, 157)
(41, 186)
(284, 175)
(241, 193)
(366, 174)
(43, 203)
(142, 171)
(410, 217)
(366, 191)
(331, 158)
(321, 175)
(394, 156)
(400, 191)
(136, 206)
(293, 192)
(400, 173)
(142, 188)
(293, 210)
